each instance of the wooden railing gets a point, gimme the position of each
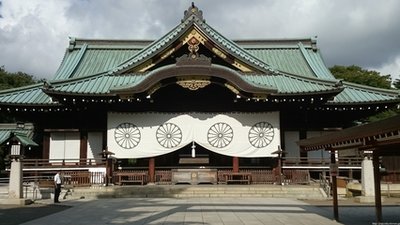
(262, 176)
(391, 176)
(163, 176)
(296, 177)
(46, 163)
(307, 161)
(71, 179)
(123, 177)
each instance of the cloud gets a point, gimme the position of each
(390, 67)
(34, 34)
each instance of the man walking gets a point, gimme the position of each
(57, 187)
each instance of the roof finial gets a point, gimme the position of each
(193, 10)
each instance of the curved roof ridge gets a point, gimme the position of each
(64, 71)
(74, 79)
(272, 42)
(103, 41)
(318, 69)
(175, 33)
(157, 45)
(314, 79)
(236, 49)
(171, 66)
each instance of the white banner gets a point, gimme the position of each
(140, 135)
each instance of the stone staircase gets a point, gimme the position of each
(197, 191)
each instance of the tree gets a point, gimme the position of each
(359, 75)
(396, 83)
(13, 80)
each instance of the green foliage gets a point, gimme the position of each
(358, 75)
(13, 80)
(396, 83)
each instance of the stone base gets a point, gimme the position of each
(16, 201)
(367, 199)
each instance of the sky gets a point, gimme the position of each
(34, 34)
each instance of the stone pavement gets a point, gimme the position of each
(212, 211)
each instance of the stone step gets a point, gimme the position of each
(177, 191)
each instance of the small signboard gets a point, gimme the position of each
(334, 169)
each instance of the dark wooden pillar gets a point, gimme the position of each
(377, 183)
(333, 174)
(235, 164)
(46, 145)
(83, 148)
(303, 154)
(152, 170)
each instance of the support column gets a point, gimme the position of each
(15, 186)
(46, 145)
(235, 164)
(377, 184)
(152, 170)
(367, 172)
(334, 186)
(83, 148)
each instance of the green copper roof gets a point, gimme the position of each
(291, 84)
(289, 66)
(95, 84)
(25, 134)
(29, 95)
(94, 58)
(358, 94)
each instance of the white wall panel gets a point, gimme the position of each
(64, 145)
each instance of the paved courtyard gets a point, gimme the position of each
(212, 211)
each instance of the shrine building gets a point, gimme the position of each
(191, 100)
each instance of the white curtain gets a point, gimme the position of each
(139, 135)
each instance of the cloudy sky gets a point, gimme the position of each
(34, 33)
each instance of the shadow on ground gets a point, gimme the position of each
(11, 215)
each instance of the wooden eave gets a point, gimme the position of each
(211, 73)
(376, 134)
